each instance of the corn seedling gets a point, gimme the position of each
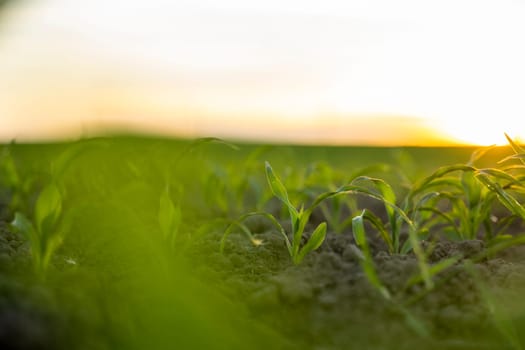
(519, 152)
(46, 231)
(364, 254)
(298, 219)
(19, 187)
(471, 197)
(490, 180)
(390, 232)
(501, 182)
(470, 203)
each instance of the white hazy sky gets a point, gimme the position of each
(374, 71)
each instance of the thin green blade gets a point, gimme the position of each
(279, 190)
(48, 208)
(315, 241)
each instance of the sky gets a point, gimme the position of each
(334, 72)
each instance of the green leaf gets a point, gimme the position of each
(441, 172)
(169, 216)
(384, 188)
(48, 208)
(276, 185)
(204, 140)
(376, 222)
(49, 246)
(520, 156)
(501, 319)
(358, 253)
(434, 270)
(358, 229)
(414, 323)
(365, 258)
(23, 225)
(354, 189)
(166, 212)
(315, 241)
(280, 192)
(478, 154)
(498, 246)
(388, 196)
(515, 147)
(241, 226)
(298, 229)
(194, 145)
(471, 188)
(505, 198)
(438, 214)
(406, 247)
(502, 175)
(421, 258)
(8, 169)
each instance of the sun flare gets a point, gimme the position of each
(482, 132)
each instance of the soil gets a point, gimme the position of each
(324, 303)
(327, 302)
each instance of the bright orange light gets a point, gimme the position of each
(480, 132)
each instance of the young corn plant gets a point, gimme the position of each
(298, 219)
(19, 188)
(472, 196)
(474, 212)
(469, 202)
(519, 152)
(503, 183)
(390, 232)
(46, 231)
(364, 254)
(366, 261)
(504, 186)
(466, 205)
(500, 183)
(469, 197)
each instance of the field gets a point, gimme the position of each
(143, 243)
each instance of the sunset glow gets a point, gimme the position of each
(336, 72)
